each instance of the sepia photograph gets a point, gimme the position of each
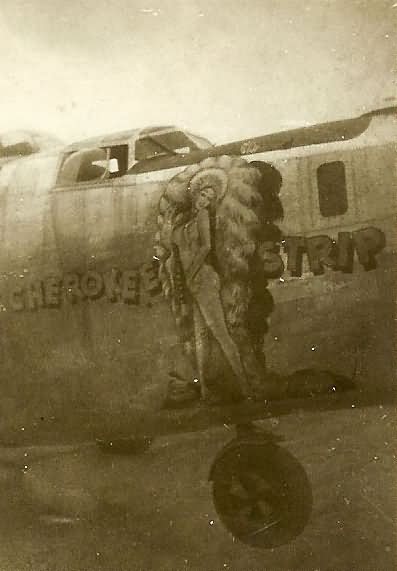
(198, 208)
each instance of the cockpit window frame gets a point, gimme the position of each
(103, 178)
(169, 150)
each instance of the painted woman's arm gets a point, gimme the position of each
(203, 223)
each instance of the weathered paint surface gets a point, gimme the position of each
(86, 333)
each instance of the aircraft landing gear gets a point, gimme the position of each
(260, 491)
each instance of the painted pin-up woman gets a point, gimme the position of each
(213, 219)
(192, 238)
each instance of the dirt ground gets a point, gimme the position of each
(155, 512)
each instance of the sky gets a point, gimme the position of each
(226, 69)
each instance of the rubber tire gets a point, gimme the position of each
(288, 491)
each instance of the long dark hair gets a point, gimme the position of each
(269, 188)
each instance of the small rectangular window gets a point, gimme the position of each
(332, 192)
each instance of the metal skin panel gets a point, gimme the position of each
(88, 339)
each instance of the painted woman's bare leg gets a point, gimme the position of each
(202, 348)
(212, 311)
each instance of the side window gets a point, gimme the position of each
(332, 191)
(93, 165)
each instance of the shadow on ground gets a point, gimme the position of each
(155, 511)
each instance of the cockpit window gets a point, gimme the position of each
(93, 165)
(165, 144)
